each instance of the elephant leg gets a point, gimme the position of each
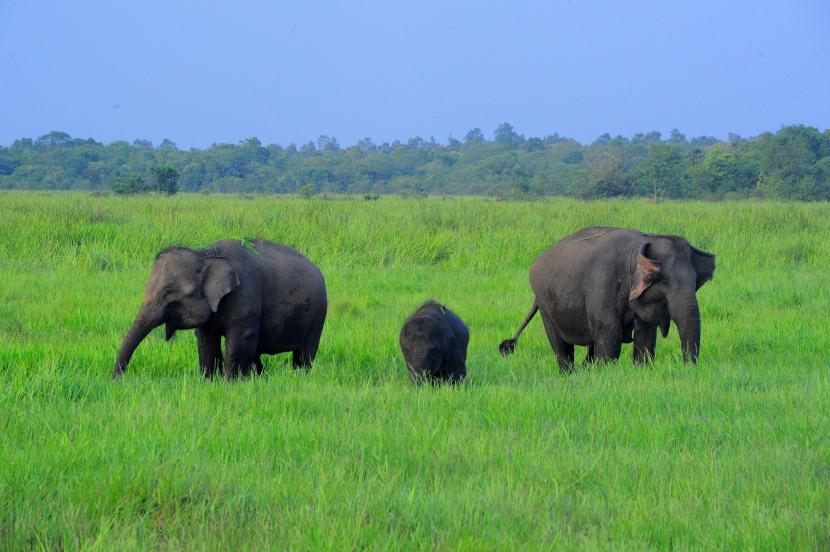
(209, 343)
(241, 351)
(259, 367)
(304, 357)
(590, 356)
(564, 351)
(607, 344)
(645, 338)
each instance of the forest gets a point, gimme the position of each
(792, 163)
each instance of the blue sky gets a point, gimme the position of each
(205, 72)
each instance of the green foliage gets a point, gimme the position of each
(607, 178)
(789, 164)
(730, 453)
(307, 191)
(130, 183)
(165, 178)
(662, 174)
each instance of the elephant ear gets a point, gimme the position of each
(219, 279)
(646, 272)
(704, 264)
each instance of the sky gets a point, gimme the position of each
(202, 72)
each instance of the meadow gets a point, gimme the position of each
(733, 452)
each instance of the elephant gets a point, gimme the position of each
(264, 298)
(602, 287)
(434, 344)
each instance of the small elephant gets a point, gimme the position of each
(264, 298)
(602, 287)
(434, 344)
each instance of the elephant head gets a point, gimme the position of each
(183, 292)
(428, 346)
(666, 272)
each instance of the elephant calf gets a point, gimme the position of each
(603, 287)
(434, 344)
(264, 298)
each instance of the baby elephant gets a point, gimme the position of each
(434, 344)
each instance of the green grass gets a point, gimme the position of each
(731, 453)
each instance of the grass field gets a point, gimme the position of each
(731, 453)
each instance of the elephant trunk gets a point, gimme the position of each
(685, 313)
(147, 319)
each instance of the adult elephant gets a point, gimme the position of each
(264, 298)
(601, 285)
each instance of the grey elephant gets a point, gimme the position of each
(264, 298)
(602, 287)
(434, 344)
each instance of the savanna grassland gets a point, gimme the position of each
(731, 453)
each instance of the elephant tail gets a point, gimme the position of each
(508, 346)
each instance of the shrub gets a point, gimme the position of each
(306, 191)
(130, 183)
(165, 178)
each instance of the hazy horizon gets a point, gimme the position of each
(202, 74)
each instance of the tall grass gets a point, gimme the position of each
(731, 453)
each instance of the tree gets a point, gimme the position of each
(140, 143)
(366, 145)
(676, 137)
(603, 140)
(54, 138)
(327, 144)
(606, 178)
(722, 171)
(416, 143)
(520, 180)
(573, 157)
(704, 141)
(474, 136)
(506, 135)
(553, 139)
(647, 138)
(168, 145)
(534, 144)
(130, 183)
(662, 174)
(165, 178)
(790, 163)
(7, 162)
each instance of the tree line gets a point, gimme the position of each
(792, 163)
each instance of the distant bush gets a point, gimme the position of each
(165, 178)
(307, 191)
(130, 183)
